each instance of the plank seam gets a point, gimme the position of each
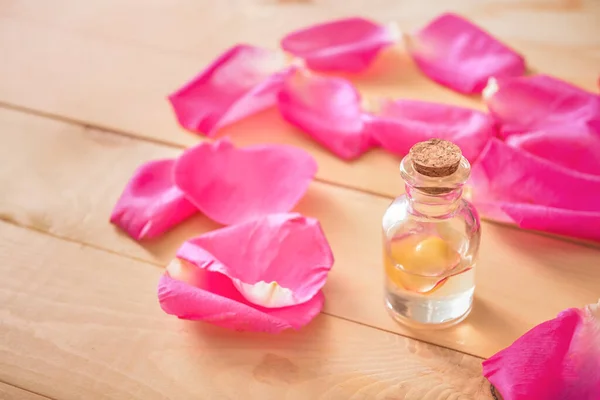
(74, 241)
(156, 264)
(27, 390)
(133, 136)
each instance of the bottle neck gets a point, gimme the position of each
(433, 202)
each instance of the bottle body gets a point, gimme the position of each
(431, 241)
(429, 263)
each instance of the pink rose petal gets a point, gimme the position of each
(513, 186)
(214, 269)
(578, 224)
(556, 360)
(344, 45)
(229, 309)
(542, 103)
(285, 248)
(151, 203)
(578, 151)
(458, 54)
(402, 123)
(242, 81)
(327, 109)
(231, 185)
(508, 174)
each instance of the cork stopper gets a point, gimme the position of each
(435, 157)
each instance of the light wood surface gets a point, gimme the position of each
(8, 392)
(86, 325)
(119, 60)
(515, 268)
(83, 90)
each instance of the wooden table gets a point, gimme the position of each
(83, 88)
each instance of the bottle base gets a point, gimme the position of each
(429, 313)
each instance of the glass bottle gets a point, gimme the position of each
(431, 239)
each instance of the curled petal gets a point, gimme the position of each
(542, 103)
(151, 203)
(328, 109)
(231, 185)
(344, 45)
(458, 54)
(229, 309)
(282, 259)
(221, 277)
(242, 81)
(575, 150)
(504, 173)
(402, 123)
(558, 359)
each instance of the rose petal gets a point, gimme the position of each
(574, 150)
(515, 187)
(242, 81)
(344, 45)
(402, 123)
(232, 185)
(504, 173)
(151, 204)
(542, 103)
(458, 54)
(327, 109)
(288, 249)
(560, 221)
(229, 309)
(208, 279)
(558, 359)
(266, 294)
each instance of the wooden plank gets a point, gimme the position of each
(82, 323)
(202, 27)
(116, 74)
(116, 86)
(9, 392)
(62, 179)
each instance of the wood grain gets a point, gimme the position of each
(118, 61)
(8, 392)
(64, 179)
(79, 316)
(528, 25)
(124, 88)
(82, 323)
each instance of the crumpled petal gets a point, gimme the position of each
(216, 272)
(343, 45)
(541, 103)
(231, 185)
(579, 151)
(285, 248)
(400, 124)
(558, 359)
(229, 309)
(328, 109)
(458, 54)
(505, 173)
(242, 81)
(151, 204)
